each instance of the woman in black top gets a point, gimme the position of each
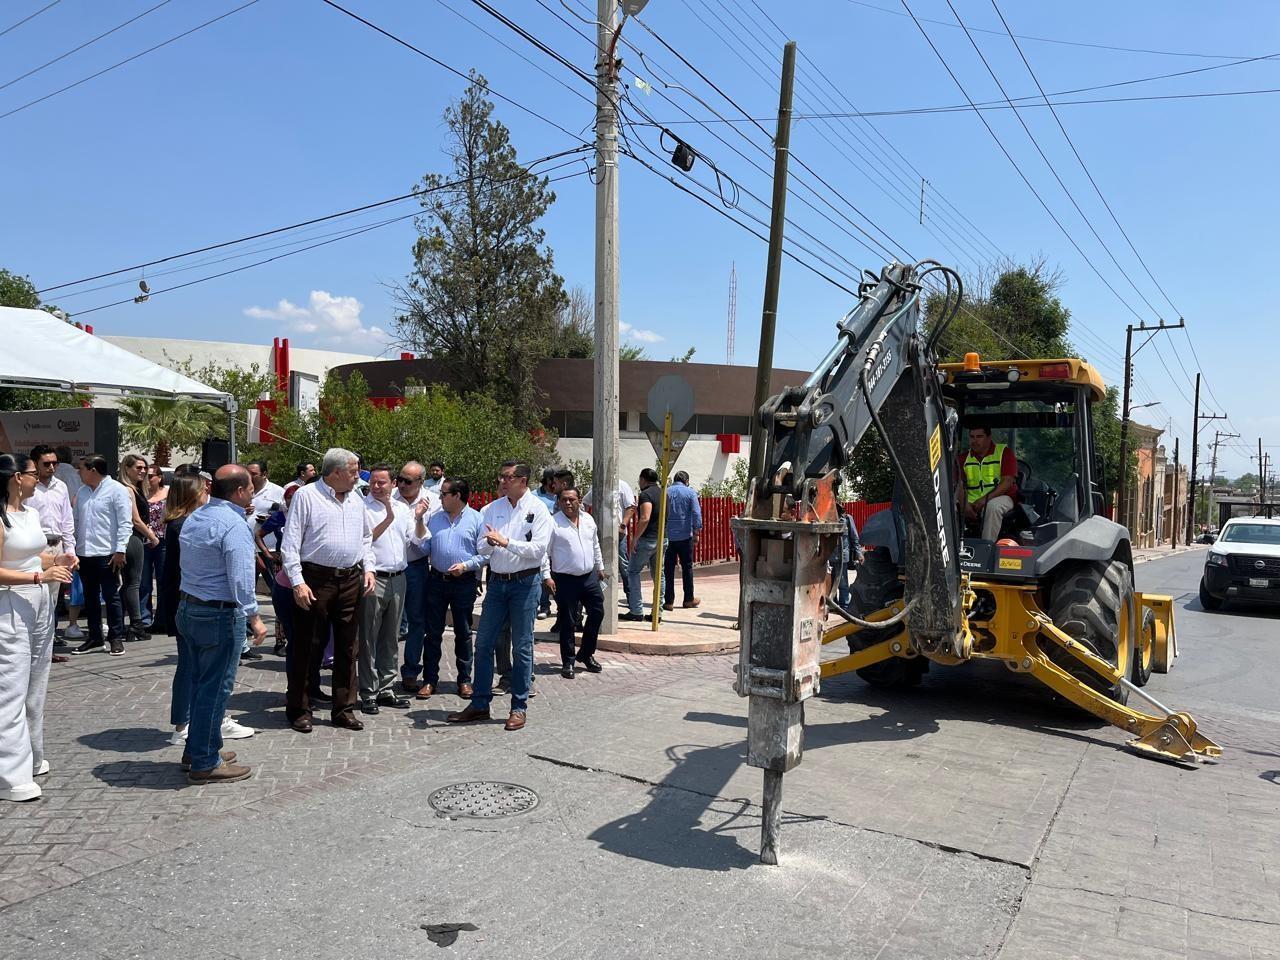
(133, 471)
(186, 494)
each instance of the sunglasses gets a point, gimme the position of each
(407, 480)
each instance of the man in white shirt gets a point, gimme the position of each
(53, 503)
(435, 476)
(327, 552)
(576, 569)
(516, 533)
(393, 532)
(624, 508)
(67, 472)
(301, 476)
(265, 493)
(411, 490)
(104, 521)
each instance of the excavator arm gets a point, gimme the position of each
(881, 372)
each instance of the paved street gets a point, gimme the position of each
(971, 818)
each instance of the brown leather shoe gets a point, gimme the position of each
(467, 714)
(515, 721)
(228, 756)
(425, 691)
(226, 773)
(668, 606)
(346, 721)
(695, 602)
(465, 691)
(302, 724)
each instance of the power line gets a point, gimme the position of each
(249, 266)
(303, 223)
(63, 56)
(121, 63)
(1068, 43)
(30, 16)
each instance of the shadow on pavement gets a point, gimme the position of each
(144, 774)
(126, 740)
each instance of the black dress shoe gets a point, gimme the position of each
(411, 686)
(250, 655)
(567, 671)
(590, 664)
(319, 696)
(369, 707)
(279, 648)
(633, 617)
(301, 724)
(347, 722)
(391, 700)
(90, 646)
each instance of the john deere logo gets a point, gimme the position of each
(966, 552)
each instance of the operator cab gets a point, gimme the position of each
(1041, 410)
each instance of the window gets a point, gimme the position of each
(578, 423)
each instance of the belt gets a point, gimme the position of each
(220, 604)
(518, 575)
(350, 571)
(441, 575)
(388, 574)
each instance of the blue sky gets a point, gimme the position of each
(288, 110)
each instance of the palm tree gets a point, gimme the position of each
(162, 425)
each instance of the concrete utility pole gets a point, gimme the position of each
(1218, 437)
(1262, 474)
(1195, 447)
(1129, 354)
(1174, 501)
(773, 271)
(604, 444)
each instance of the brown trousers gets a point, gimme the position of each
(334, 609)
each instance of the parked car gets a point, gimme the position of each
(1243, 563)
(1208, 536)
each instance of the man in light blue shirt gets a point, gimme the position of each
(104, 521)
(684, 523)
(216, 604)
(452, 584)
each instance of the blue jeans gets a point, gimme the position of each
(211, 637)
(415, 613)
(148, 596)
(513, 602)
(623, 562)
(646, 551)
(456, 595)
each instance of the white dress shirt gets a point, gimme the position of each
(71, 477)
(271, 493)
(324, 530)
(416, 552)
(527, 525)
(104, 519)
(53, 503)
(575, 548)
(622, 499)
(389, 549)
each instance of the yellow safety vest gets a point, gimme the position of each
(982, 476)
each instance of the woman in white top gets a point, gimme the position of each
(26, 630)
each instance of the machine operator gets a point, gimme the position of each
(990, 481)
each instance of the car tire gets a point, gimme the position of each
(1208, 600)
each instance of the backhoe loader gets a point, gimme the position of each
(1052, 596)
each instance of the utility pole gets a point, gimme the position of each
(1195, 447)
(1174, 501)
(604, 445)
(1129, 354)
(773, 271)
(1262, 475)
(1218, 437)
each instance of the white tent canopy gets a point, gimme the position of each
(40, 351)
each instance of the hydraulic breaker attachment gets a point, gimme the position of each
(784, 580)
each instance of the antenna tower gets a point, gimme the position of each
(733, 313)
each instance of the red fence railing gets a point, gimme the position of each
(715, 544)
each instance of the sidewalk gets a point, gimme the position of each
(707, 628)
(1143, 554)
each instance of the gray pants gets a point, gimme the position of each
(26, 646)
(379, 617)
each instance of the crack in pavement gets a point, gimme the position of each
(1164, 903)
(795, 815)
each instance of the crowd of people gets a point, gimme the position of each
(364, 567)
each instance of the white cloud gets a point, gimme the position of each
(333, 319)
(644, 336)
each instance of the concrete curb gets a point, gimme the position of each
(665, 646)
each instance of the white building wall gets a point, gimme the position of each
(701, 456)
(201, 352)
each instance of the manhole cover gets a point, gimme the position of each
(483, 799)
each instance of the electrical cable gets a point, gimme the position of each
(249, 266)
(63, 56)
(304, 223)
(30, 16)
(121, 63)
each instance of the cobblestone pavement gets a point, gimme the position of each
(116, 793)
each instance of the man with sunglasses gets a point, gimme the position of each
(450, 537)
(412, 492)
(516, 534)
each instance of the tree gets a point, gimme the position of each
(246, 384)
(574, 333)
(483, 294)
(162, 426)
(686, 357)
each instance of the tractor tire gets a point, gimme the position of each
(1208, 600)
(1094, 603)
(1144, 650)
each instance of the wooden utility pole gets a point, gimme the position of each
(1195, 447)
(773, 268)
(604, 444)
(1174, 501)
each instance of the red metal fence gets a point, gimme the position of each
(715, 545)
